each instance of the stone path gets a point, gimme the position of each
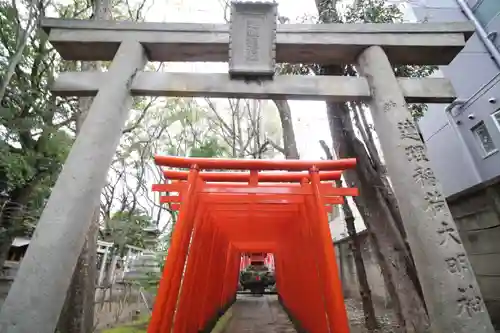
(252, 314)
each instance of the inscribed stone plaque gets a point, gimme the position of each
(252, 39)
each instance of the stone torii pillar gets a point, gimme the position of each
(36, 297)
(449, 285)
(38, 293)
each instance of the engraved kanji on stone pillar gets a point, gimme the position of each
(252, 40)
(448, 282)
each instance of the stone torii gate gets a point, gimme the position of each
(251, 44)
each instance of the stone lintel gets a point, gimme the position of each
(294, 87)
(405, 43)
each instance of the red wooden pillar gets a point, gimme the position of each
(161, 319)
(211, 257)
(337, 314)
(191, 277)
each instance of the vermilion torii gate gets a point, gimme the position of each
(225, 214)
(251, 44)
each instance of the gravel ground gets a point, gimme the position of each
(385, 318)
(264, 314)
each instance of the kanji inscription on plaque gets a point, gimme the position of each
(252, 39)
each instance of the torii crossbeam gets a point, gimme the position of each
(37, 295)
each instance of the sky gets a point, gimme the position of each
(309, 117)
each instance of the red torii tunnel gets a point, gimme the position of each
(225, 214)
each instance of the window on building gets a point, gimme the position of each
(486, 10)
(496, 118)
(484, 139)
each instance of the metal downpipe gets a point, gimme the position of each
(492, 49)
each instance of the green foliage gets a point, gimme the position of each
(209, 147)
(127, 228)
(75, 9)
(379, 11)
(364, 11)
(34, 140)
(372, 11)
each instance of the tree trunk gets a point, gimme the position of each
(341, 255)
(407, 303)
(5, 243)
(77, 315)
(289, 142)
(377, 212)
(364, 288)
(378, 167)
(35, 10)
(379, 176)
(78, 311)
(6, 235)
(71, 319)
(90, 274)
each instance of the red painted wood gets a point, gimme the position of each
(226, 220)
